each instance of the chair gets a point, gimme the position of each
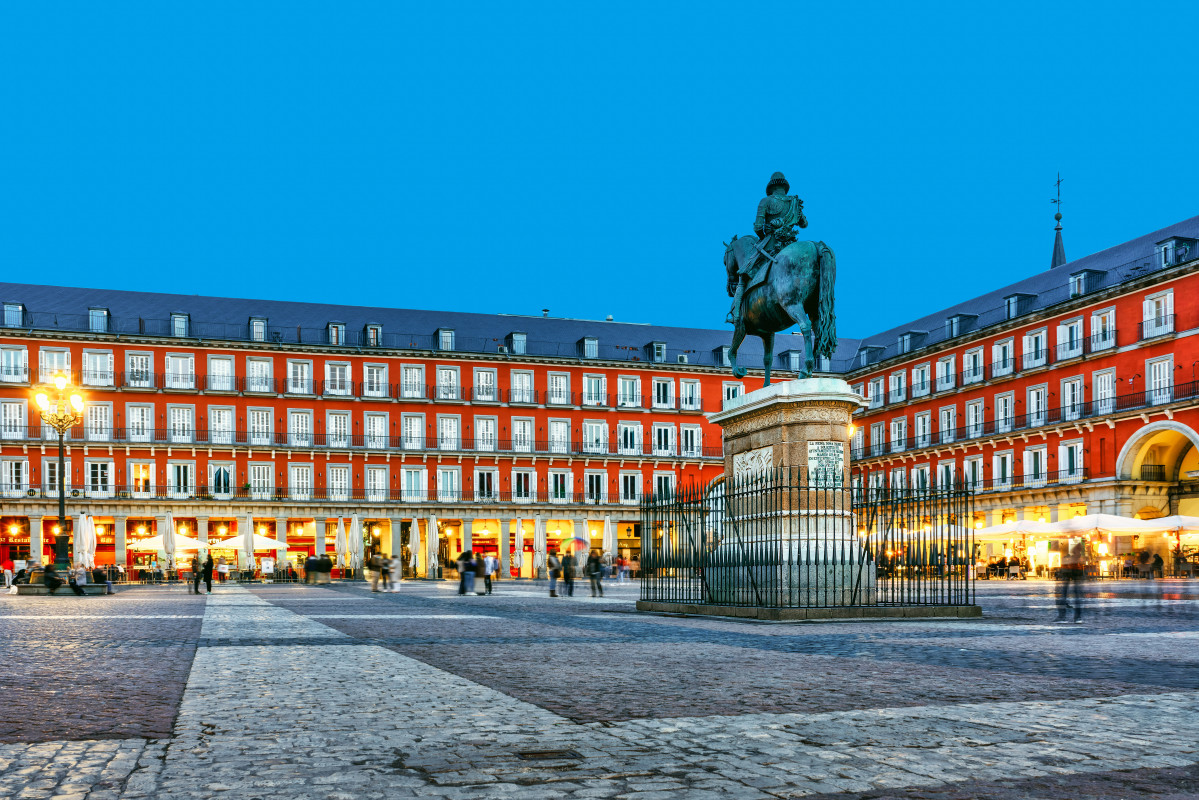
(1015, 571)
(980, 572)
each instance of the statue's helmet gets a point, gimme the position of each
(777, 179)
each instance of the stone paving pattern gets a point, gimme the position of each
(304, 692)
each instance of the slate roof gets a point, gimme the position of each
(224, 318)
(1118, 264)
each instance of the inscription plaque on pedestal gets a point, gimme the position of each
(826, 463)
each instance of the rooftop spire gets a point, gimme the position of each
(1059, 249)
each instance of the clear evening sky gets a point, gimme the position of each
(585, 157)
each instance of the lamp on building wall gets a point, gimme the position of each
(61, 406)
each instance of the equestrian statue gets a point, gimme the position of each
(776, 281)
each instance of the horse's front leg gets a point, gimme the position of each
(738, 337)
(768, 355)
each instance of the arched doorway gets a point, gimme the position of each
(1160, 451)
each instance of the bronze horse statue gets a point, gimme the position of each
(797, 291)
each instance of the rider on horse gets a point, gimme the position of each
(778, 215)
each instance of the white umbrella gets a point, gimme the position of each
(413, 542)
(339, 545)
(154, 543)
(90, 542)
(257, 542)
(168, 540)
(538, 543)
(518, 557)
(609, 536)
(355, 543)
(434, 544)
(80, 524)
(247, 540)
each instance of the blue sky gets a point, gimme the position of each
(585, 157)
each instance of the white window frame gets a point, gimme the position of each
(1103, 329)
(946, 373)
(410, 388)
(14, 364)
(921, 383)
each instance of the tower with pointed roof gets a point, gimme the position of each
(1059, 249)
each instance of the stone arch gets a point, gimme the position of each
(1170, 438)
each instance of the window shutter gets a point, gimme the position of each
(1147, 313)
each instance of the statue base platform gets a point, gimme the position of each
(844, 614)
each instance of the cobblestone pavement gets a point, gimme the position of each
(298, 692)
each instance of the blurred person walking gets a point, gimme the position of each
(568, 574)
(324, 569)
(1072, 572)
(196, 575)
(490, 565)
(555, 569)
(207, 570)
(594, 570)
(7, 566)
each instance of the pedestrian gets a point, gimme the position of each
(222, 569)
(99, 576)
(1071, 572)
(379, 571)
(195, 581)
(311, 565)
(397, 573)
(467, 569)
(595, 572)
(555, 569)
(490, 565)
(479, 565)
(78, 579)
(635, 567)
(7, 566)
(623, 570)
(568, 574)
(460, 564)
(50, 578)
(1159, 566)
(607, 565)
(324, 569)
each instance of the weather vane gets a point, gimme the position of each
(1058, 201)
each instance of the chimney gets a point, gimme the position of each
(545, 312)
(608, 318)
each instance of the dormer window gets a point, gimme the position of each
(337, 333)
(14, 315)
(1016, 304)
(722, 355)
(905, 343)
(374, 335)
(518, 342)
(590, 347)
(97, 320)
(1175, 250)
(257, 329)
(795, 360)
(657, 352)
(445, 338)
(179, 325)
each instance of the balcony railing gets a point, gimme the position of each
(181, 434)
(1157, 326)
(1001, 367)
(1037, 357)
(310, 494)
(1154, 396)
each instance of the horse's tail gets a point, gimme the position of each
(826, 328)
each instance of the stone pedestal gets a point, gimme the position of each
(789, 535)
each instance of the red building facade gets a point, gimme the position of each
(468, 441)
(1072, 392)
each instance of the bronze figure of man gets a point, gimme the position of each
(779, 214)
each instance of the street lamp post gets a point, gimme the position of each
(61, 407)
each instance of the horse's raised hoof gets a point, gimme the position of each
(740, 372)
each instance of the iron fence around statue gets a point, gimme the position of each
(784, 539)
